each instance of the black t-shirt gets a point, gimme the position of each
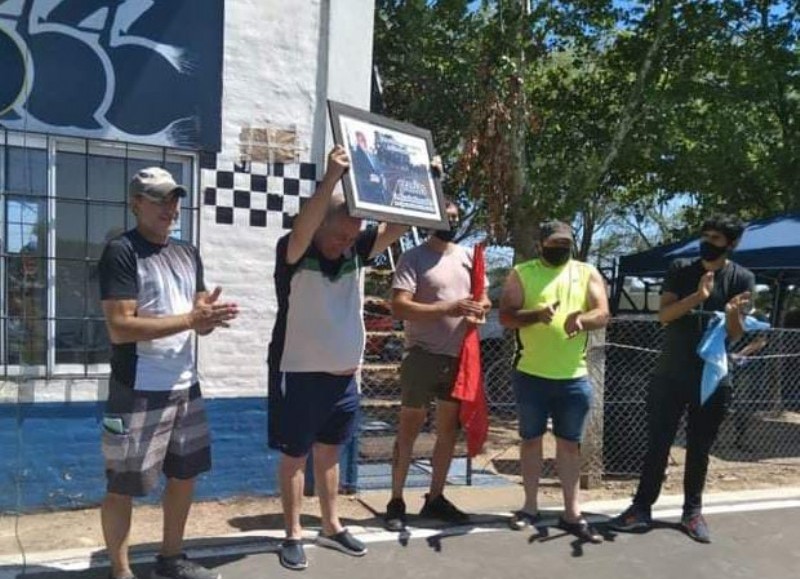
(684, 334)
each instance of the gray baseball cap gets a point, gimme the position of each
(156, 184)
(556, 230)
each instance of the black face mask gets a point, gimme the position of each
(711, 252)
(556, 255)
(448, 235)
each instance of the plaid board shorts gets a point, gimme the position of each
(145, 433)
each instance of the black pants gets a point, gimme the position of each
(668, 398)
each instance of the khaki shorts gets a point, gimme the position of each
(425, 376)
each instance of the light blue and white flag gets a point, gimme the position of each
(712, 350)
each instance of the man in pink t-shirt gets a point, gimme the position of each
(432, 295)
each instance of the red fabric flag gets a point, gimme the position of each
(474, 414)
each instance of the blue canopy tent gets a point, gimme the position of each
(770, 248)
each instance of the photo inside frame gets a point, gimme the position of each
(390, 170)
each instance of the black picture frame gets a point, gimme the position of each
(390, 177)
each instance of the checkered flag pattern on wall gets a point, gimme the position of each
(256, 194)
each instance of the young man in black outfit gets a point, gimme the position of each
(692, 290)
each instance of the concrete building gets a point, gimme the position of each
(229, 95)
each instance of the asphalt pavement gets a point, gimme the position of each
(747, 543)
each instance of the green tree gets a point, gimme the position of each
(600, 112)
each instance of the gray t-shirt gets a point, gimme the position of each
(432, 277)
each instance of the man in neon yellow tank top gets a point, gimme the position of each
(552, 302)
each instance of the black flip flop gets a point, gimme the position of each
(582, 529)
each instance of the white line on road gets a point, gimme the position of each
(267, 541)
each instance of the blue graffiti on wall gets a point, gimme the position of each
(147, 71)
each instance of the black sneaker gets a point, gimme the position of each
(696, 527)
(180, 567)
(126, 576)
(634, 518)
(395, 519)
(292, 555)
(442, 509)
(344, 542)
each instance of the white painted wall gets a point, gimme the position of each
(350, 51)
(283, 59)
(36, 390)
(349, 62)
(270, 66)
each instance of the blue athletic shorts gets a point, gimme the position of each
(309, 407)
(567, 401)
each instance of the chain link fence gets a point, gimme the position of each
(763, 426)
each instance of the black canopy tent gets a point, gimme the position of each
(769, 247)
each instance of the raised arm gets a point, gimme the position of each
(388, 233)
(313, 212)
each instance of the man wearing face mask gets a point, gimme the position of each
(552, 302)
(432, 294)
(691, 289)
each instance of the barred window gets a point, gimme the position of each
(61, 200)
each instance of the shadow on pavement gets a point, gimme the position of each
(274, 522)
(100, 563)
(548, 530)
(448, 531)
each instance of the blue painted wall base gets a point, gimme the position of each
(50, 455)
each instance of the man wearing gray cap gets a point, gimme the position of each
(552, 302)
(154, 301)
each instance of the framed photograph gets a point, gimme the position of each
(390, 177)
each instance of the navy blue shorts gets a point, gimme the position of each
(309, 407)
(567, 401)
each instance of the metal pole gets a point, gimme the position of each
(777, 300)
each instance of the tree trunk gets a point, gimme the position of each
(588, 234)
(524, 221)
(524, 234)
